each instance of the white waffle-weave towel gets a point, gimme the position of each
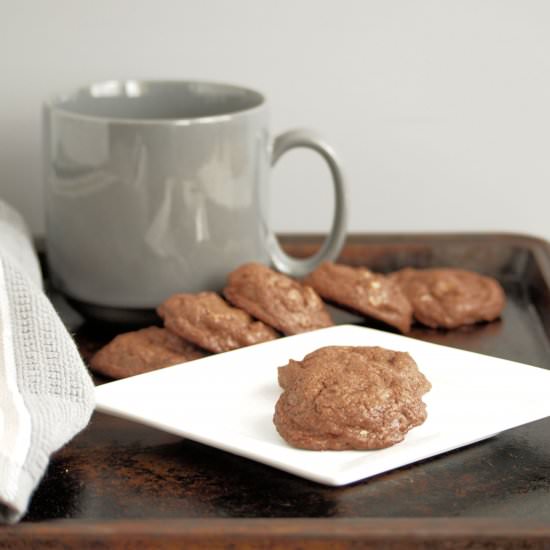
(46, 393)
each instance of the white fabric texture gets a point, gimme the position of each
(46, 393)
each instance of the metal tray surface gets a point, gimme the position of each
(117, 470)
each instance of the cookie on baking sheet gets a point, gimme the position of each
(142, 351)
(449, 297)
(208, 321)
(350, 397)
(276, 299)
(371, 294)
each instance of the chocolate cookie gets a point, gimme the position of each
(276, 299)
(142, 351)
(346, 397)
(450, 298)
(209, 321)
(371, 294)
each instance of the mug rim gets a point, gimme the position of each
(56, 102)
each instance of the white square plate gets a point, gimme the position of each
(227, 401)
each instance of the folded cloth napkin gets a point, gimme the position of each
(46, 393)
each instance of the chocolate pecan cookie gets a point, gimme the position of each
(350, 397)
(450, 298)
(142, 351)
(276, 299)
(209, 321)
(371, 294)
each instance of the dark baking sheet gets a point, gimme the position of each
(117, 469)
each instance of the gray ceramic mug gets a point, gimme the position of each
(157, 187)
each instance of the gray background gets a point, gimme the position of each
(440, 109)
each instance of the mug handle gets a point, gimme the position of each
(299, 267)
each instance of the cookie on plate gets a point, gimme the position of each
(449, 297)
(142, 351)
(370, 294)
(208, 321)
(276, 299)
(350, 397)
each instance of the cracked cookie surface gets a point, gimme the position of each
(449, 297)
(142, 351)
(371, 294)
(276, 299)
(208, 321)
(350, 397)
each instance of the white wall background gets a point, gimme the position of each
(439, 109)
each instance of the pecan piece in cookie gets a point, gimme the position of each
(350, 397)
(210, 322)
(276, 299)
(142, 351)
(450, 298)
(371, 294)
